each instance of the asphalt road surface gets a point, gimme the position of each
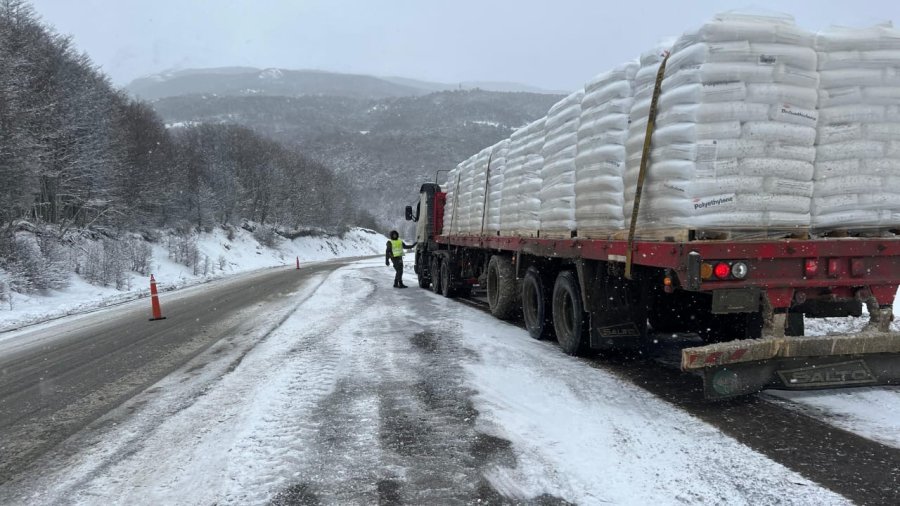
(65, 375)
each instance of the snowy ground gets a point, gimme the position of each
(400, 395)
(872, 413)
(240, 254)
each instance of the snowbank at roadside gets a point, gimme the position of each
(220, 256)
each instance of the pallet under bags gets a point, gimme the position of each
(557, 195)
(600, 155)
(735, 131)
(857, 169)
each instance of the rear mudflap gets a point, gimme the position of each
(735, 368)
(800, 373)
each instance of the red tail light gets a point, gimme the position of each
(722, 270)
(811, 267)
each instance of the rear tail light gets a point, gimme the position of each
(722, 270)
(811, 267)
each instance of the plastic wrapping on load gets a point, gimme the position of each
(857, 167)
(496, 179)
(557, 193)
(734, 141)
(600, 155)
(737, 26)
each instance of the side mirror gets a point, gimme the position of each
(409, 215)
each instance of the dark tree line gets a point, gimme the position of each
(76, 153)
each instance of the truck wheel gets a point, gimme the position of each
(502, 289)
(446, 280)
(536, 305)
(436, 274)
(569, 319)
(424, 282)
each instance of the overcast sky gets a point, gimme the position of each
(554, 44)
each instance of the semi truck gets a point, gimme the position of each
(793, 133)
(747, 299)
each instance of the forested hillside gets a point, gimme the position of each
(385, 148)
(78, 156)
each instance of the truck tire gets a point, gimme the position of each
(424, 282)
(536, 305)
(436, 274)
(502, 289)
(446, 279)
(423, 273)
(569, 318)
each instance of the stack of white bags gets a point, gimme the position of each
(760, 125)
(450, 204)
(495, 186)
(600, 158)
(734, 141)
(513, 175)
(557, 211)
(520, 197)
(475, 216)
(857, 176)
(462, 207)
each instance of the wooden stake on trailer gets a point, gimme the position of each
(645, 160)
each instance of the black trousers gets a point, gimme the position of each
(398, 266)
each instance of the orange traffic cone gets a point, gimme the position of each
(154, 301)
(298, 263)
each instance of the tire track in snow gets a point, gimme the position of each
(311, 373)
(399, 428)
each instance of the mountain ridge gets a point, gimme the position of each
(248, 81)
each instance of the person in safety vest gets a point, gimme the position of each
(394, 253)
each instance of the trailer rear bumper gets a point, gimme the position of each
(795, 363)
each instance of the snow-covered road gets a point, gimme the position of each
(357, 393)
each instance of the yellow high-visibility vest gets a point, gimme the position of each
(397, 247)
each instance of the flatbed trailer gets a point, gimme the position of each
(746, 298)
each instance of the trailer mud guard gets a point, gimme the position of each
(744, 367)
